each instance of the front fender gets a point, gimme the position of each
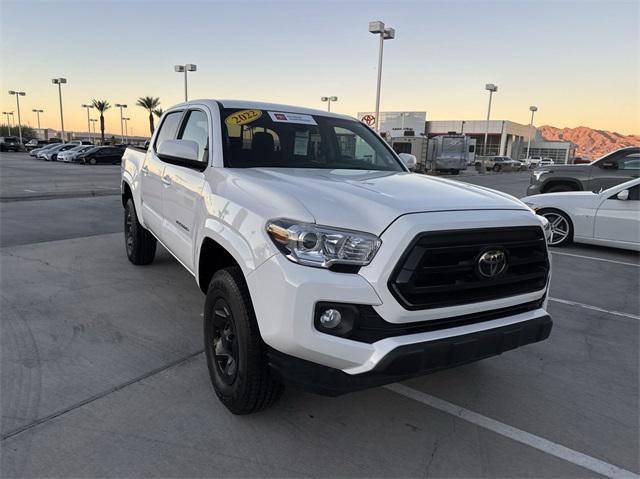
(249, 245)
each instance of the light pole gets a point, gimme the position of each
(491, 88)
(37, 112)
(88, 107)
(93, 122)
(121, 106)
(126, 128)
(60, 82)
(329, 99)
(18, 94)
(189, 67)
(386, 33)
(532, 109)
(7, 113)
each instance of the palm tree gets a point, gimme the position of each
(101, 106)
(149, 103)
(158, 112)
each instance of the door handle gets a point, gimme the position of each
(166, 180)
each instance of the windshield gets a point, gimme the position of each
(262, 138)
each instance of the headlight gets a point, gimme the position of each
(322, 246)
(546, 227)
(538, 173)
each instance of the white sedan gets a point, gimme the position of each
(609, 218)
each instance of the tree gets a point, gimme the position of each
(149, 103)
(101, 106)
(27, 132)
(158, 112)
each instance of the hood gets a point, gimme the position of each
(370, 200)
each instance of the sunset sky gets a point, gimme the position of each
(577, 61)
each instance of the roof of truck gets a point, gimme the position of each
(247, 104)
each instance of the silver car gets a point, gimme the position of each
(70, 154)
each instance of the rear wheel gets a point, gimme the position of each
(561, 227)
(139, 242)
(92, 161)
(236, 356)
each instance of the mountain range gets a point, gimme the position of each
(592, 143)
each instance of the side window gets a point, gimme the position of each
(168, 128)
(196, 129)
(634, 193)
(630, 162)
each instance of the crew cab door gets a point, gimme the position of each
(615, 169)
(183, 184)
(152, 172)
(619, 220)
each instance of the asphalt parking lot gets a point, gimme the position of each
(103, 373)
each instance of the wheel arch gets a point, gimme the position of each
(561, 181)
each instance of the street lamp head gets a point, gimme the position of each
(179, 68)
(191, 67)
(87, 106)
(126, 118)
(21, 93)
(533, 108)
(333, 98)
(376, 27)
(389, 33)
(11, 92)
(57, 81)
(491, 87)
(120, 105)
(324, 98)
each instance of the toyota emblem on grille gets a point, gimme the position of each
(492, 263)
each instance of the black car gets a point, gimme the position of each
(10, 143)
(101, 154)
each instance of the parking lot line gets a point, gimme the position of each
(523, 437)
(594, 308)
(637, 265)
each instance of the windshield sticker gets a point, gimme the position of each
(243, 117)
(301, 143)
(282, 117)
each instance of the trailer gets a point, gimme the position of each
(449, 153)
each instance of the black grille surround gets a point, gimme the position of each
(439, 268)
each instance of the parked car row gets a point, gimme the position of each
(79, 152)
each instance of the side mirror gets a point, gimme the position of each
(609, 165)
(623, 195)
(178, 150)
(409, 160)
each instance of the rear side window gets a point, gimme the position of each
(168, 128)
(196, 128)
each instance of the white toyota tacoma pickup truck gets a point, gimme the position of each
(326, 262)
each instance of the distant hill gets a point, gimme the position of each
(593, 143)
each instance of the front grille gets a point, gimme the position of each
(440, 268)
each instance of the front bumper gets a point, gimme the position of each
(285, 296)
(410, 360)
(533, 189)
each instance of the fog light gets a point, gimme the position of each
(330, 318)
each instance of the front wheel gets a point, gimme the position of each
(561, 227)
(139, 242)
(93, 161)
(236, 355)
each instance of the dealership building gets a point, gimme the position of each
(505, 138)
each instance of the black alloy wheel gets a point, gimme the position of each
(224, 342)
